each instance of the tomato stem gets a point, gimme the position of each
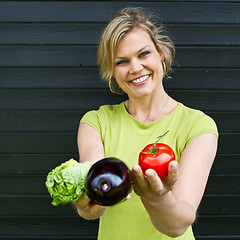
(154, 149)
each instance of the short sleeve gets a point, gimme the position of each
(92, 119)
(202, 125)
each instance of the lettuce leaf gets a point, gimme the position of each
(66, 183)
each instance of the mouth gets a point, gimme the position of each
(140, 80)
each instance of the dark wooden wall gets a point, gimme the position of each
(49, 78)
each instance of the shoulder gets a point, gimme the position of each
(197, 122)
(104, 112)
(193, 115)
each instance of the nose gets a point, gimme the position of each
(135, 66)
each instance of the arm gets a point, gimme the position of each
(90, 149)
(90, 146)
(172, 203)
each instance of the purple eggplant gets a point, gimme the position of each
(108, 182)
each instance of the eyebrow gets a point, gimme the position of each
(140, 50)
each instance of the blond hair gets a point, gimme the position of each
(124, 22)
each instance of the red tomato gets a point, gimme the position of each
(156, 156)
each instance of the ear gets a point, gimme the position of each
(161, 56)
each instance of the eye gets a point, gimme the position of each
(144, 54)
(121, 62)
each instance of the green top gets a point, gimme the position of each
(124, 137)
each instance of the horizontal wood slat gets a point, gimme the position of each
(41, 164)
(224, 237)
(66, 143)
(218, 226)
(92, 99)
(75, 226)
(184, 12)
(89, 33)
(47, 226)
(67, 78)
(40, 121)
(219, 205)
(68, 121)
(211, 205)
(19, 184)
(85, 56)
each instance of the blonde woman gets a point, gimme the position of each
(134, 55)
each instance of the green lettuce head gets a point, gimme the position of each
(66, 182)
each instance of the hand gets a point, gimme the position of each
(151, 186)
(89, 210)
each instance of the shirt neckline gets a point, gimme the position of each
(154, 122)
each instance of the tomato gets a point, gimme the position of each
(156, 156)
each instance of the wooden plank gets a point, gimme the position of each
(206, 34)
(186, 12)
(67, 78)
(50, 56)
(89, 33)
(50, 33)
(207, 56)
(75, 226)
(37, 143)
(68, 121)
(32, 163)
(205, 78)
(65, 143)
(219, 205)
(227, 143)
(51, 78)
(223, 185)
(27, 237)
(57, 99)
(40, 121)
(225, 121)
(218, 237)
(217, 226)
(210, 99)
(41, 206)
(85, 56)
(47, 227)
(35, 184)
(80, 100)
(224, 164)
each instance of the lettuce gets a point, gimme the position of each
(66, 183)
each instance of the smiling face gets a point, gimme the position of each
(138, 65)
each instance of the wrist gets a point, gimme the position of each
(164, 201)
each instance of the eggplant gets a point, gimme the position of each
(108, 182)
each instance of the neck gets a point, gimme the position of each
(148, 110)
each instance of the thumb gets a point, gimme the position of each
(173, 171)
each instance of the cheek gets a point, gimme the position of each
(120, 74)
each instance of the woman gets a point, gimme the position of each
(136, 54)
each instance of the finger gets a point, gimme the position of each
(128, 197)
(172, 173)
(140, 184)
(154, 181)
(97, 210)
(83, 201)
(138, 176)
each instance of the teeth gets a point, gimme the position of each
(141, 79)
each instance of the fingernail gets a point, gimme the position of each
(135, 168)
(174, 166)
